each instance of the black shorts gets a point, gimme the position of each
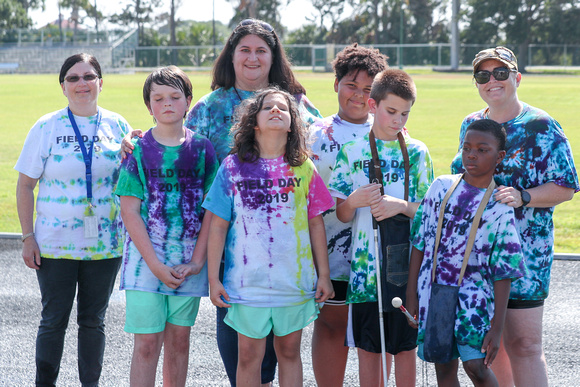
(524, 304)
(364, 331)
(339, 293)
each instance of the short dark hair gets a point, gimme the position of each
(393, 81)
(357, 58)
(244, 133)
(280, 74)
(491, 127)
(73, 60)
(171, 76)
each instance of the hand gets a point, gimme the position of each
(324, 290)
(31, 253)
(168, 276)
(187, 269)
(509, 195)
(491, 344)
(126, 145)
(365, 196)
(387, 207)
(218, 295)
(412, 308)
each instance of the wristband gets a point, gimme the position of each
(23, 237)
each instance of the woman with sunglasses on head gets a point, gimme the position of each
(252, 59)
(75, 244)
(536, 174)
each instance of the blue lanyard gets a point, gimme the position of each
(87, 155)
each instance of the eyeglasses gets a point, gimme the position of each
(263, 24)
(499, 73)
(76, 78)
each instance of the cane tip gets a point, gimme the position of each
(397, 302)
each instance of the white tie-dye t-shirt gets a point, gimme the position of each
(52, 154)
(328, 135)
(268, 255)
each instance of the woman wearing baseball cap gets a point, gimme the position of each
(537, 174)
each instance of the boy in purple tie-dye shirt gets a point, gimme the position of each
(495, 258)
(162, 186)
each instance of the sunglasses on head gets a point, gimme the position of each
(264, 25)
(499, 73)
(76, 78)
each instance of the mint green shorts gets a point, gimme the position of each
(149, 312)
(256, 323)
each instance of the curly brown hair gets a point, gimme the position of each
(357, 58)
(244, 133)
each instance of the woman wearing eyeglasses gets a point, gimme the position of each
(73, 156)
(252, 59)
(536, 174)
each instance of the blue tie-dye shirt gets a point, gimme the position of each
(52, 154)
(268, 256)
(496, 255)
(328, 136)
(171, 182)
(351, 172)
(538, 152)
(213, 116)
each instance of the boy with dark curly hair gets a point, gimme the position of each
(355, 68)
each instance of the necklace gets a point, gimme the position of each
(238, 94)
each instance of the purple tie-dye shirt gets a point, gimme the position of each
(496, 255)
(171, 182)
(268, 256)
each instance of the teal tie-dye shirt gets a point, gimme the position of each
(213, 116)
(538, 152)
(268, 255)
(496, 255)
(351, 172)
(171, 182)
(52, 154)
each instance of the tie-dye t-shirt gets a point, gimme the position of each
(496, 255)
(328, 136)
(213, 116)
(351, 172)
(268, 256)
(52, 155)
(171, 182)
(538, 152)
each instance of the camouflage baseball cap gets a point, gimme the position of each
(500, 53)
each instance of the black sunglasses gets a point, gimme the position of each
(264, 25)
(499, 73)
(76, 78)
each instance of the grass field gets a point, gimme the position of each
(443, 100)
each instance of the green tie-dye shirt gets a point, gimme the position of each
(351, 172)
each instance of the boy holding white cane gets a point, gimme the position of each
(360, 199)
(466, 251)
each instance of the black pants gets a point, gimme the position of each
(58, 280)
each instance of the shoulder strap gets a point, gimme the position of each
(472, 232)
(377, 164)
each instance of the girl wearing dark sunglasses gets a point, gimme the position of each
(536, 174)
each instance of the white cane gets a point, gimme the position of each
(380, 300)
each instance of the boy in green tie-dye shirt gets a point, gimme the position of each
(392, 95)
(162, 185)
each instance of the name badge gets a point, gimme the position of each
(91, 227)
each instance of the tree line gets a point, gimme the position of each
(516, 23)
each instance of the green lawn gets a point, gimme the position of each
(443, 100)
